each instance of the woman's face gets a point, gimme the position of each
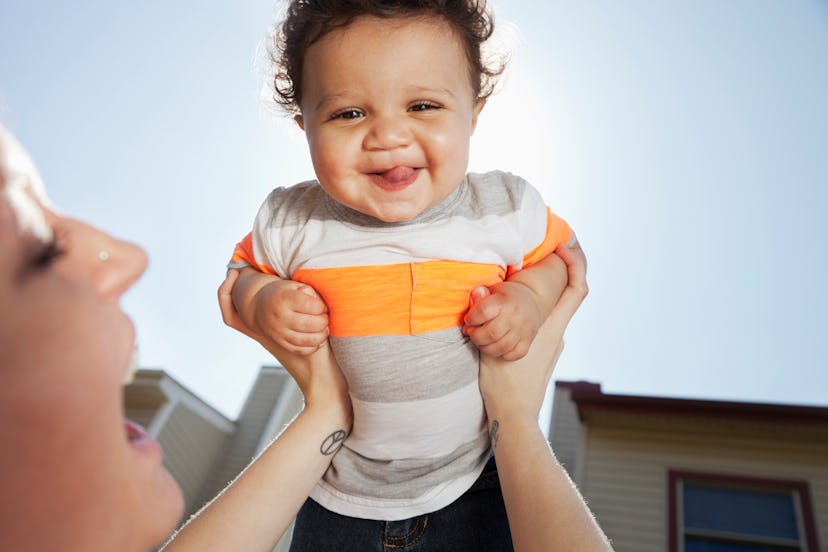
(74, 476)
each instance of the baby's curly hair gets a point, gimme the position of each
(307, 21)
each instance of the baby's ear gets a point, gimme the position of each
(478, 107)
(299, 121)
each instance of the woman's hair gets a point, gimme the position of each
(307, 21)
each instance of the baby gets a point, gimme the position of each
(408, 265)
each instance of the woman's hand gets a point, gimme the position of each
(518, 388)
(317, 375)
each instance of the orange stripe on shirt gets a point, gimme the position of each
(399, 299)
(244, 254)
(557, 232)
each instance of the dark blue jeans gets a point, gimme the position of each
(475, 522)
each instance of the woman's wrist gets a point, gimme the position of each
(333, 406)
(325, 387)
(512, 421)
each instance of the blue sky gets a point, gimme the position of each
(686, 142)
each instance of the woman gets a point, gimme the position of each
(75, 476)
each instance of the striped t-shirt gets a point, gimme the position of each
(396, 296)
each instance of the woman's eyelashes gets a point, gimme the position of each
(47, 254)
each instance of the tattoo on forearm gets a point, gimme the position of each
(332, 442)
(493, 435)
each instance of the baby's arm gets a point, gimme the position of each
(504, 323)
(290, 313)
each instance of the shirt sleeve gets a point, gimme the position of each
(243, 256)
(542, 230)
(557, 232)
(257, 248)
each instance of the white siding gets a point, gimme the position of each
(191, 445)
(253, 420)
(140, 415)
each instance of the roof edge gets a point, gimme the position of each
(589, 396)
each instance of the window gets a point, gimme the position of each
(716, 513)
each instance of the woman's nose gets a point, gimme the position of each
(387, 133)
(120, 264)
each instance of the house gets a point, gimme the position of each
(682, 475)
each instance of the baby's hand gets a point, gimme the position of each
(502, 322)
(293, 315)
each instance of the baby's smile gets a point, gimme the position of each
(396, 178)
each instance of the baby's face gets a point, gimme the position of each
(388, 109)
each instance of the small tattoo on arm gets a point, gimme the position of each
(332, 442)
(493, 433)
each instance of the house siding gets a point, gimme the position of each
(565, 429)
(190, 444)
(625, 474)
(141, 416)
(243, 446)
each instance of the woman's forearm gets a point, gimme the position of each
(546, 511)
(254, 511)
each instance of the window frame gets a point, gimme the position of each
(798, 489)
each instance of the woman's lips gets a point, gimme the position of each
(140, 440)
(137, 437)
(396, 178)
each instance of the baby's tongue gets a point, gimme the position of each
(398, 174)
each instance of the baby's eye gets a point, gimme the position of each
(347, 114)
(424, 106)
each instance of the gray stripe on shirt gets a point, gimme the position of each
(400, 368)
(358, 476)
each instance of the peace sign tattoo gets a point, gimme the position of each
(332, 442)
